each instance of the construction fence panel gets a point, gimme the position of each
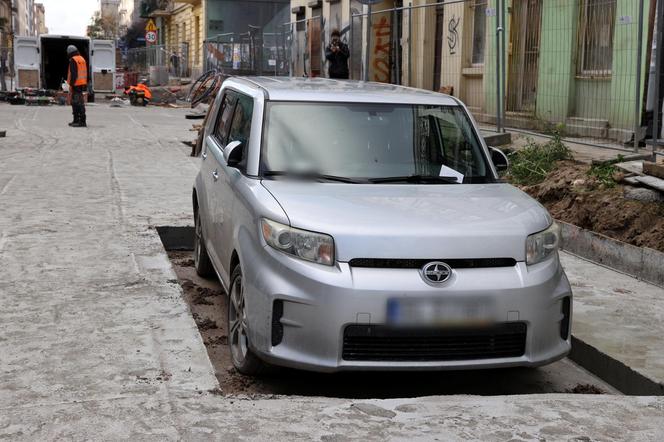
(438, 46)
(577, 68)
(249, 53)
(307, 41)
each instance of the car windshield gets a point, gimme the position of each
(377, 143)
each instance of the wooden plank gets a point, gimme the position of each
(653, 169)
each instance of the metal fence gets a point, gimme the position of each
(249, 53)
(175, 58)
(581, 68)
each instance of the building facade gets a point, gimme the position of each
(40, 19)
(181, 31)
(129, 13)
(24, 23)
(6, 23)
(567, 62)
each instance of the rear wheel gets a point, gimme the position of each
(202, 262)
(244, 360)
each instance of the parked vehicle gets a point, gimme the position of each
(42, 62)
(364, 226)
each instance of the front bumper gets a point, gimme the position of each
(320, 302)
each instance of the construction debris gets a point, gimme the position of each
(643, 174)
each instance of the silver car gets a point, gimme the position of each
(362, 226)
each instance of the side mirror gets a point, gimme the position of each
(499, 159)
(233, 153)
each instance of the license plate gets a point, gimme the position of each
(439, 311)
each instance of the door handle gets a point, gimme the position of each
(215, 175)
(204, 154)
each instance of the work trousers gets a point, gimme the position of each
(78, 104)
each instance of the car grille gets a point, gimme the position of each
(382, 343)
(388, 263)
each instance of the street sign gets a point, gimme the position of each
(151, 37)
(150, 26)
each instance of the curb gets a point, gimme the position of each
(640, 262)
(612, 371)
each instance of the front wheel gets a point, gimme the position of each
(202, 262)
(244, 360)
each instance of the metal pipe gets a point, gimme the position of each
(351, 44)
(503, 64)
(367, 54)
(637, 110)
(427, 5)
(322, 46)
(498, 71)
(657, 107)
(410, 44)
(397, 42)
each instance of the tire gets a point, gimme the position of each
(202, 262)
(244, 360)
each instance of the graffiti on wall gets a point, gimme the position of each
(453, 34)
(380, 50)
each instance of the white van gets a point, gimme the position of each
(41, 62)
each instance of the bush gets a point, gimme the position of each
(533, 163)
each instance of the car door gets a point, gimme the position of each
(227, 179)
(211, 155)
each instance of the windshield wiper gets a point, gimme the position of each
(312, 176)
(416, 179)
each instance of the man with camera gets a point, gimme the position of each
(337, 54)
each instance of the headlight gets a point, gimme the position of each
(310, 246)
(540, 246)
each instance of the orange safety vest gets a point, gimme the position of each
(82, 74)
(147, 93)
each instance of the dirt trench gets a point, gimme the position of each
(571, 195)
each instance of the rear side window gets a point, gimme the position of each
(224, 118)
(241, 125)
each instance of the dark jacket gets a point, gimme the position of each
(338, 67)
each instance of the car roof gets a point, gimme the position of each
(346, 91)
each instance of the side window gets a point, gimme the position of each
(224, 118)
(240, 129)
(241, 125)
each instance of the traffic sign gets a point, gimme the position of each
(150, 26)
(151, 37)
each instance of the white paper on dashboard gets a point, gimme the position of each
(448, 171)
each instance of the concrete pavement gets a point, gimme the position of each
(619, 316)
(97, 343)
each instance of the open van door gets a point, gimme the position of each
(26, 62)
(103, 65)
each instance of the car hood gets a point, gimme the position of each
(414, 221)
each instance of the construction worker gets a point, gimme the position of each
(77, 78)
(139, 94)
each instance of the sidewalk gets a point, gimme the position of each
(97, 343)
